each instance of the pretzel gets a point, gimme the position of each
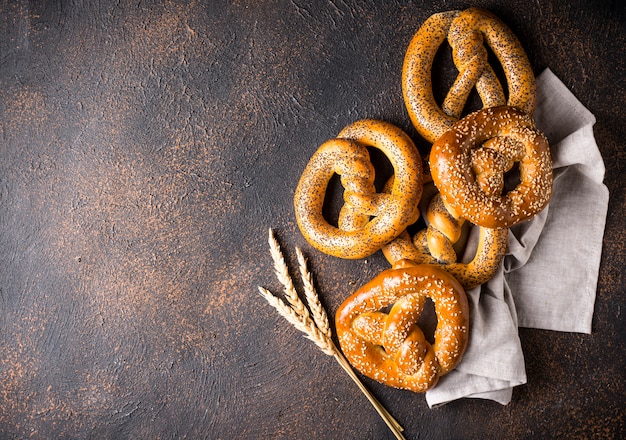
(389, 347)
(470, 178)
(419, 249)
(465, 32)
(357, 235)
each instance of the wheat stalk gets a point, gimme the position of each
(313, 321)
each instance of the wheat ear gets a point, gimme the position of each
(317, 310)
(306, 326)
(282, 273)
(314, 323)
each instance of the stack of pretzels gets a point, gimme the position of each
(471, 161)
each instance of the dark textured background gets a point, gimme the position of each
(145, 151)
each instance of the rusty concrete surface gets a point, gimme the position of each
(146, 149)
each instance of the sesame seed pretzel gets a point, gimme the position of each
(390, 347)
(368, 219)
(469, 173)
(465, 31)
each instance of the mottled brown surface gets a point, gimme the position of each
(145, 150)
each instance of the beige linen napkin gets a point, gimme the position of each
(549, 276)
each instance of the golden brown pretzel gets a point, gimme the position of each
(489, 253)
(437, 243)
(457, 170)
(389, 347)
(368, 219)
(465, 31)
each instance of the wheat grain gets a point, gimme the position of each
(312, 298)
(305, 325)
(282, 273)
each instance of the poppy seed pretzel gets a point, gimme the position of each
(466, 31)
(368, 219)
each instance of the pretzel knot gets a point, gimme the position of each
(368, 219)
(390, 347)
(466, 31)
